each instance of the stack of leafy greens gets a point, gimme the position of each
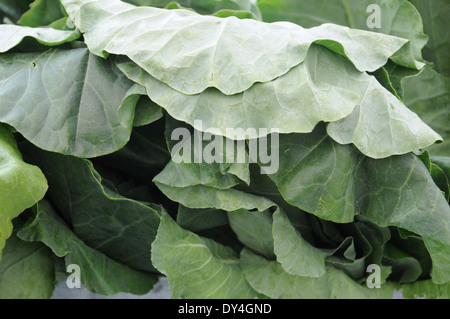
(92, 91)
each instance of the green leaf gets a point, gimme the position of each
(254, 230)
(13, 35)
(435, 19)
(27, 270)
(270, 279)
(325, 87)
(294, 253)
(21, 184)
(41, 13)
(98, 273)
(197, 267)
(80, 101)
(399, 191)
(425, 289)
(428, 95)
(190, 70)
(397, 17)
(405, 268)
(121, 228)
(200, 219)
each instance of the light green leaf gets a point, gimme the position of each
(12, 35)
(397, 17)
(98, 273)
(81, 101)
(270, 279)
(27, 270)
(295, 254)
(197, 267)
(425, 289)
(41, 13)
(21, 184)
(208, 41)
(325, 87)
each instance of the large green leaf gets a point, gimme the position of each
(27, 270)
(143, 34)
(98, 273)
(270, 279)
(12, 35)
(197, 267)
(80, 101)
(21, 184)
(335, 183)
(428, 95)
(325, 87)
(435, 21)
(296, 256)
(121, 228)
(396, 17)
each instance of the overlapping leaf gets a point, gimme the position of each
(325, 87)
(98, 273)
(21, 184)
(81, 101)
(119, 227)
(197, 267)
(12, 35)
(266, 51)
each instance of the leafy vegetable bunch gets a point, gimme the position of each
(92, 93)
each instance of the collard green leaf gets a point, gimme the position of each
(435, 18)
(207, 42)
(98, 273)
(197, 267)
(405, 268)
(296, 101)
(325, 87)
(270, 279)
(254, 230)
(121, 228)
(396, 191)
(21, 184)
(396, 17)
(428, 95)
(12, 35)
(296, 256)
(27, 270)
(41, 13)
(81, 101)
